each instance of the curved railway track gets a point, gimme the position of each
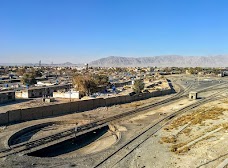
(127, 148)
(26, 146)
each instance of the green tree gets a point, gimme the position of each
(138, 86)
(28, 79)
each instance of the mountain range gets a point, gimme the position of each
(163, 61)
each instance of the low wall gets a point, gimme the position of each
(85, 105)
(14, 115)
(71, 107)
(100, 102)
(74, 106)
(4, 118)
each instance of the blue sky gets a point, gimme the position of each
(80, 31)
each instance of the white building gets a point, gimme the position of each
(68, 95)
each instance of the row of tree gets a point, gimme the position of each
(29, 78)
(87, 84)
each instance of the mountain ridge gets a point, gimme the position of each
(163, 61)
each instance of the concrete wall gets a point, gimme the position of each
(100, 102)
(85, 105)
(14, 115)
(72, 95)
(74, 106)
(47, 111)
(4, 119)
(110, 101)
(30, 114)
(71, 107)
(128, 99)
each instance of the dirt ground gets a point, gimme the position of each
(197, 139)
(192, 140)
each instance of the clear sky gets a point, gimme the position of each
(80, 31)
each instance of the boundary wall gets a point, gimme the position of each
(21, 115)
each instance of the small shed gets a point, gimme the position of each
(193, 95)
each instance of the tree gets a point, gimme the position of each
(21, 71)
(100, 79)
(198, 69)
(28, 79)
(138, 86)
(38, 73)
(84, 84)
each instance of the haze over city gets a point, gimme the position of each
(85, 30)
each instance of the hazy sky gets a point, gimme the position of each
(83, 30)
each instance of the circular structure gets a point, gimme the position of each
(27, 133)
(88, 143)
(38, 131)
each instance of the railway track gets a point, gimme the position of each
(127, 148)
(221, 156)
(27, 146)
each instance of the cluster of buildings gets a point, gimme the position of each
(56, 81)
(7, 96)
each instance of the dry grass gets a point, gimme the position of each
(166, 128)
(130, 105)
(174, 148)
(225, 126)
(177, 148)
(183, 147)
(197, 117)
(209, 137)
(213, 128)
(171, 139)
(183, 150)
(225, 101)
(187, 131)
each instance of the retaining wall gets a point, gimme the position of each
(4, 118)
(71, 107)
(100, 102)
(14, 115)
(85, 105)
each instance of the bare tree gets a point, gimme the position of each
(84, 84)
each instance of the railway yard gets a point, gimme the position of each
(165, 131)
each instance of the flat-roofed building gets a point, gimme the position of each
(7, 96)
(41, 91)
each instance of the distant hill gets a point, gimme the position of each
(67, 63)
(163, 61)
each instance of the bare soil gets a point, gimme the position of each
(160, 150)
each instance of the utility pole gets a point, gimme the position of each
(198, 78)
(75, 131)
(70, 93)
